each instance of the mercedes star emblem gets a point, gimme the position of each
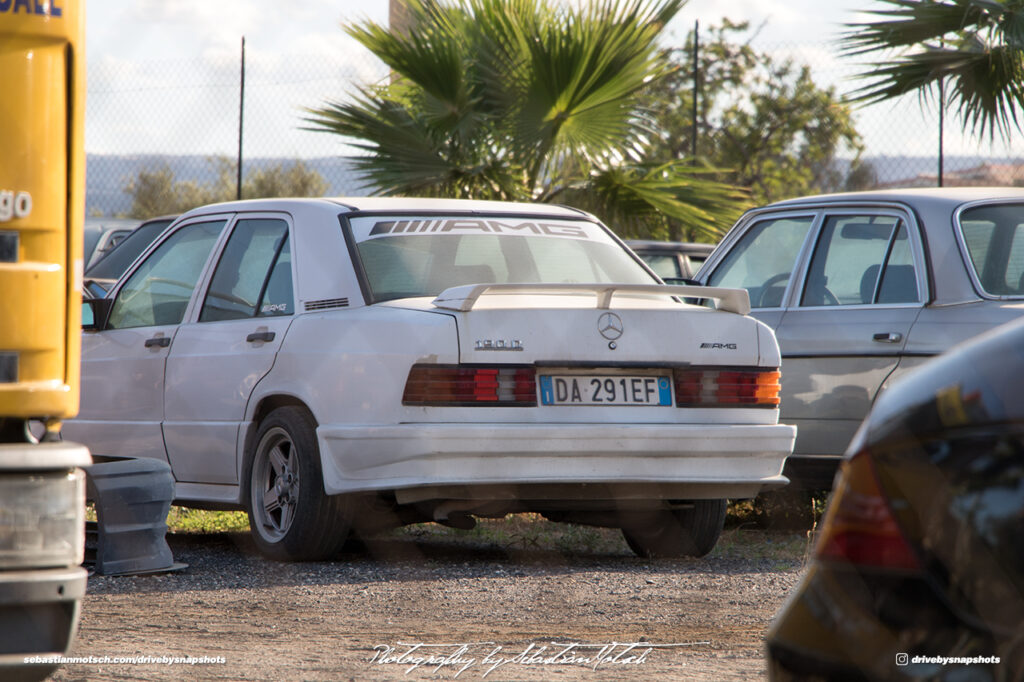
(610, 326)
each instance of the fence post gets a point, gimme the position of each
(942, 116)
(241, 117)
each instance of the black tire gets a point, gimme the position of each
(290, 516)
(663, 534)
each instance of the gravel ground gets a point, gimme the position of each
(421, 606)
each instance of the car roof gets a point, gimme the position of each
(932, 207)
(403, 204)
(106, 224)
(917, 196)
(655, 245)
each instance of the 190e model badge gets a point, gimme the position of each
(499, 344)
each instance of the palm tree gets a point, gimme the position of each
(526, 100)
(971, 49)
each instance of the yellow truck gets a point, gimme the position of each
(42, 483)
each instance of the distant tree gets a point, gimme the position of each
(531, 101)
(764, 120)
(862, 175)
(280, 180)
(152, 192)
(975, 48)
(157, 192)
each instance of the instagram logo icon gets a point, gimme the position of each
(901, 659)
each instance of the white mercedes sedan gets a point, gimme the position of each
(338, 366)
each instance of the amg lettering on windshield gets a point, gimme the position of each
(476, 225)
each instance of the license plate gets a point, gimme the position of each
(604, 389)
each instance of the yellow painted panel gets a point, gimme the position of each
(41, 205)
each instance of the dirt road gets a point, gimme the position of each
(429, 609)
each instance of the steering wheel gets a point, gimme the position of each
(828, 296)
(762, 300)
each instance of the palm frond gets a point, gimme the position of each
(975, 48)
(522, 99)
(913, 22)
(586, 72)
(630, 197)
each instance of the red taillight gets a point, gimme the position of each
(458, 385)
(727, 388)
(859, 527)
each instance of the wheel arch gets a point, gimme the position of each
(264, 407)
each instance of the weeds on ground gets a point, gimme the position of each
(184, 520)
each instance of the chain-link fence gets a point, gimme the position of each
(177, 126)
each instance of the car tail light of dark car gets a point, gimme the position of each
(859, 526)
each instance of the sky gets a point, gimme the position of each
(128, 39)
(134, 29)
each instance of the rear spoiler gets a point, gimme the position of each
(463, 298)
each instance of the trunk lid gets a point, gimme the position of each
(586, 325)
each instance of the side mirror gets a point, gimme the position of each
(95, 312)
(94, 288)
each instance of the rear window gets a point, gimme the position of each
(407, 257)
(994, 237)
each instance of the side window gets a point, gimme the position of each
(994, 236)
(694, 264)
(253, 277)
(763, 260)
(159, 290)
(860, 260)
(278, 297)
(665, 265)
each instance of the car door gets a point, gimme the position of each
(218, 357)
(123, 363)
(845, 326)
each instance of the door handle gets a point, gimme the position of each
(260, 336)
(161, 341)
(889, 337)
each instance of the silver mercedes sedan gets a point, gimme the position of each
(862, 287)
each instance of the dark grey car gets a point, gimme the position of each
(861, 287)
(672, 261)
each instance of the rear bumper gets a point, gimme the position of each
(693, 461)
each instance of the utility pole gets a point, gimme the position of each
(696, 88)
(398, 16)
